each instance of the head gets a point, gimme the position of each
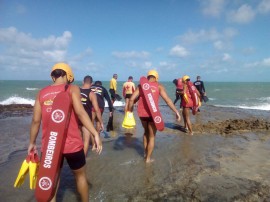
(98, 83)
(62, 70)
(88, 79)
(115, 76)
(175, 81)
(152, 74)
(130, 78)
(185, 79)
(198, 78)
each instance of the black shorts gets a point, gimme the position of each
(112, 92)
(148, 119)
(128, 95)
(75, 160)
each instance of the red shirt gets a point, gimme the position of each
(143, 110)
(74, 141)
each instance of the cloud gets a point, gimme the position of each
(226, 57)
(266, 62)
(207, 35)
(131, 54)
(242, 15)
(179, 51)
(19, 49)
(264, 7)
(213, 8)
(258, 64)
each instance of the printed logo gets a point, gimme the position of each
(157, 119)
(58, 116)
(45, 183)
(48, 102)
(146, 86)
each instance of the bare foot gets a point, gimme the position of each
(190, 133)
(94, 148)
(149, 160)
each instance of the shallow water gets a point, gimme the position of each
(203, 167)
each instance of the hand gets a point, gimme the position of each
(101, 127)
(98, 144)
(111, 114)
(32, 147)
(178, 117)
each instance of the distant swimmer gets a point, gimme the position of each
(128, 90)
(144, 111)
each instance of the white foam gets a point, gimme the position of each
(17, 100)
(31, 88)
(258, 107)
(115, 104)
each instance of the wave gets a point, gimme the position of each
(116, 104)
(17, 100)
(32, 88)
(20, 100)
(264, 107)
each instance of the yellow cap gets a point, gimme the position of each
(66, 68)
(185, 77)
(154, 73)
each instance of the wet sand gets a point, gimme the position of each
(227, 159)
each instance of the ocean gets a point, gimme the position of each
(246, 95)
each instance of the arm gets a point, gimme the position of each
(93, 99)
(133, 99)
(133, 88)
(36, 120)
(124, 91)
(107, 97)
(168, 101)
(203, 88)
(83, 116)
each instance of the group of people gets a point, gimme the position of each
(86, 116)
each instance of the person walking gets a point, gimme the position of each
(200, 87)
(187, 102)
(101, 93)
(90, 104)
(128, 90)
(62, 76)
(144, 112)
(113, 87)
(179, 90)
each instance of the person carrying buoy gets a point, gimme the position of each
(144, 110)
(190, 101)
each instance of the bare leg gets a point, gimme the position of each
(126, 105)
(187, 120)
(151, 142)
(145, 135)
(82, 185)
(86, 139)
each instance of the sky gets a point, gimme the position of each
(220, 40)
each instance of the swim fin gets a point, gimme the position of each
(33, 170)
(129, 120)
(23, 171)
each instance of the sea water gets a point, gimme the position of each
(247, 95)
